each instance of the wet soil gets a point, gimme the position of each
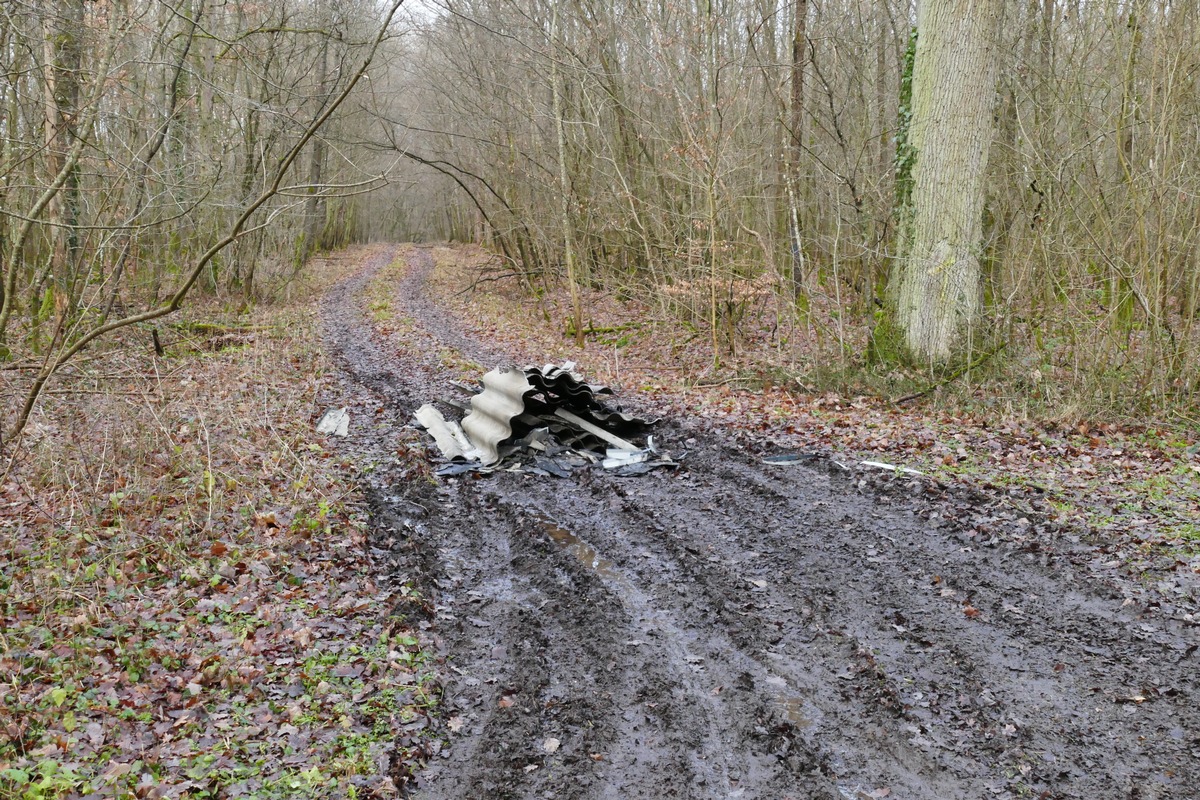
(739, 629)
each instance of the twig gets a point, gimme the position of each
(105, 392)
(490, 278)
(592, 329)
(951, 377)
(726, 382)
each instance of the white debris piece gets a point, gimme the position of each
(891, 467)
(622, 458)
(450, 439)
(335, 421)
(493, 410)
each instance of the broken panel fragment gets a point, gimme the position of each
(542, 420)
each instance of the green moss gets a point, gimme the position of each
(906, 155)
(885, 345)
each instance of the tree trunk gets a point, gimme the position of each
(954, 84)
(795, 151)
(564, 185)
(63, 60)
(314, 204)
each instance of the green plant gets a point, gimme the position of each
(49, 779)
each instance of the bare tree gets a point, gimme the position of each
(705, 145)
(136, 125)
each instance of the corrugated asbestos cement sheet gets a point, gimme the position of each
(493, 409)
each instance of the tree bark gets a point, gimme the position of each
(564, 184)
(64, 29)
(954, 85)
(314, 204)
(795, 151)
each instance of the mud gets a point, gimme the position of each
(738, 629)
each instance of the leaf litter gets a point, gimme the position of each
(187, 600)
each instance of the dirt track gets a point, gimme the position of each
(736, 629)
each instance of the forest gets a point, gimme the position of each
(909, 288)
(724, 162)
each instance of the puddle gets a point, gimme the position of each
(789, 706)
(793, 710)
(589, 558)
(583, 551)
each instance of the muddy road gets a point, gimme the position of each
(737, 629)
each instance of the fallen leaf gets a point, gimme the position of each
(455, 724)
(114, 771)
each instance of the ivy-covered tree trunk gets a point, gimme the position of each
(953, 91)
(64, 58)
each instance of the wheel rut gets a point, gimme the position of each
(735, 629)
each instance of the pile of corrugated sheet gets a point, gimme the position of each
(543, 420)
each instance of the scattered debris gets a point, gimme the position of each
(335, 421)
(889, 467)
(791, 459)
(623, 458)
(449, 435)
(541, 420)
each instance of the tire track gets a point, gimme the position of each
(730, 631)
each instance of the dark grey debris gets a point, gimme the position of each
(542, 420)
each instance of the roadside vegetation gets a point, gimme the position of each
(188, 604)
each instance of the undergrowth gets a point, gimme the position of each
(187, 605)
